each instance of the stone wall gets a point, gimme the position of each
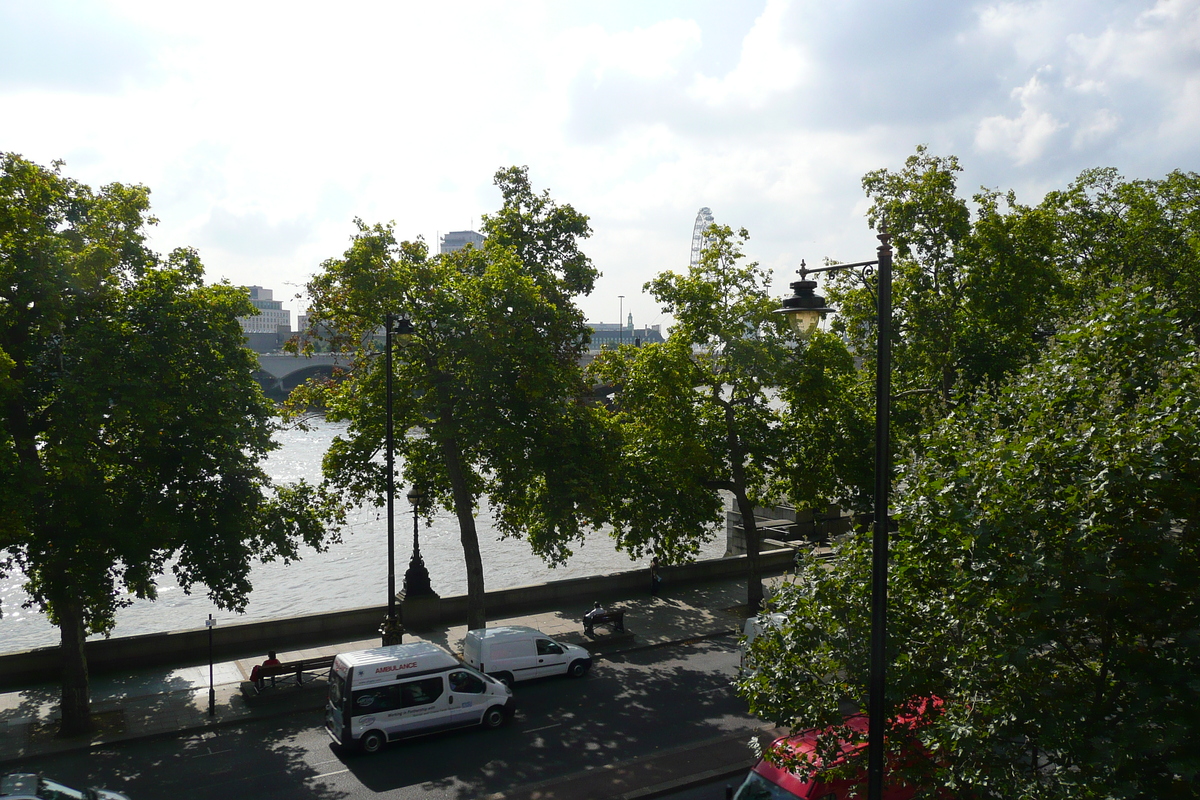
(247, 639)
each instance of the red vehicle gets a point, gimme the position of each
(768, 782)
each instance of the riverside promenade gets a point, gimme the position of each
(166, 701)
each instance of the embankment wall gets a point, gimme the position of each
(246, 639)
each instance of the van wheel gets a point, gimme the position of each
(577, 669)
(372, 742)
(493, 717)
(505, 677)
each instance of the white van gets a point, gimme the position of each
(388, 693)
(755, 627)
(513, 653)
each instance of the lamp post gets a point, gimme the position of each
(621, 320)
(211, 623)
(805, 310)
(416, 579)
(393, 628)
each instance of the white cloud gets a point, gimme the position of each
(1025, 137)
(1097, 127)
(770, 65)
(263, 128)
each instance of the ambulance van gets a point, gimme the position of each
(388, 693)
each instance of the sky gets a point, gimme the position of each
(264, 129)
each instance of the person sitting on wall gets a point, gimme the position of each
(255, 674)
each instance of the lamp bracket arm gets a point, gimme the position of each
(806, 270)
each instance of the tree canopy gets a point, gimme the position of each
(488, 386)
(1043, 581)
(131, 430)
(704, 412)
(981, 285)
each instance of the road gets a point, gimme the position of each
(628, 707)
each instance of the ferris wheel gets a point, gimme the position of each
(704, 218)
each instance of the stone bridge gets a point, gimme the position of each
(279, 373)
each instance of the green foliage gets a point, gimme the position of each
(701, 412)
(131, 430)
(1043, 581)
(978, 295)
(487, 386)
(1111, 232)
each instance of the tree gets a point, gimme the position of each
(699, 413)
(488, 384)
(1112, 232)
(981, 287)
(1044, 579)
(131, 429)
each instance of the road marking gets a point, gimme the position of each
(543, 728)
(212, 753)
(327, 774)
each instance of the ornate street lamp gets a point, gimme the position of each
(805, 310)
(393, 627)
(416, 579)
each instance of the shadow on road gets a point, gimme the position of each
(627, 708)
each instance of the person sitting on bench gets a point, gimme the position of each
(271, 661)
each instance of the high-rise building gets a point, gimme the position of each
(457, 240)
(271, 314)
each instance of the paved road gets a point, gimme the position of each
(628, 707)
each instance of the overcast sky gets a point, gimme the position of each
(263, 129)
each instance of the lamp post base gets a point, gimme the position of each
(392, 631)
(416, 579)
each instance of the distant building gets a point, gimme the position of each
(457, 240)
(612, 334)
(267, 330)
(271, 313)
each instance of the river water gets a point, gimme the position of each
(348, 575)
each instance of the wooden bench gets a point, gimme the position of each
(289, 668)
(614, 619)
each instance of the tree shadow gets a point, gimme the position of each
(628, 707)
(259, 759)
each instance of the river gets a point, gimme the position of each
(351, 574)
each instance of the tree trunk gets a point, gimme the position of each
(737, 468)
(76, 699)
(754, 587)
(464, 509)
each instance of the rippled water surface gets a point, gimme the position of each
(348, 575)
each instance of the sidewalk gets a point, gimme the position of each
(152, 703)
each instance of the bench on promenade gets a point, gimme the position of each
(288, 669)
(613, 619)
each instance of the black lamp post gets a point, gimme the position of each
(393, 628)
(621, 320)
(416, 579)
(211, 623)
(804, 310)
